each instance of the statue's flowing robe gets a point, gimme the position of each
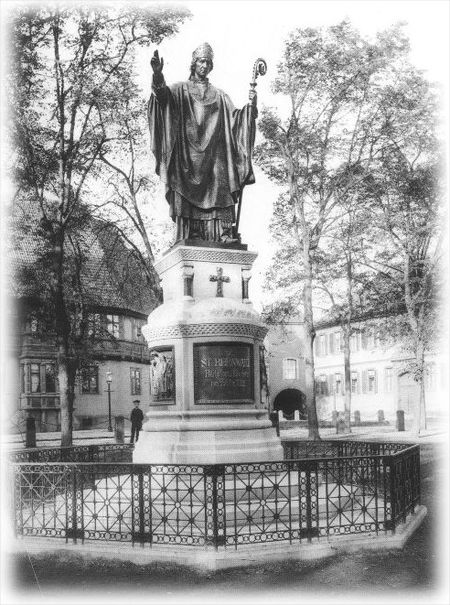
(202, 147)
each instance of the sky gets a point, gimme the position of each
(242, 31)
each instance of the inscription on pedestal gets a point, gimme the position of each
(223, 373)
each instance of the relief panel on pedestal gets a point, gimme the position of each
(162, 376)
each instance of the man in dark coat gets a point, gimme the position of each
(202, 147)
(136, 417)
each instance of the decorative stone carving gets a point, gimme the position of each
(162, 376)
(220, 278)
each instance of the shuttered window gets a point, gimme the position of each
(290, 369)
(372, 386)
(338, 384)
(89, 382)
(135, 379)
(388, 380)
(364, 381)
(331, 340)
(337, 342)
(355, 385)
(323, 390)
(323, 344)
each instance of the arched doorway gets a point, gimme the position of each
(290, 400)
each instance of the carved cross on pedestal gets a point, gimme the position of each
(220, 279)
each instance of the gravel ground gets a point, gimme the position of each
(401, 576)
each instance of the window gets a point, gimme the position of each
(338, 384)
(135, 376)
(323, 385)
(89, 379)
(136, 329)
(388, 380)
(354, 381)
(430, 376)
(331, 343)
(323, 344)
(113, 325)
(50, 378)
(377, 339)
(370, 339)
(337, 342)
(22, 378)
(290, 369)
(372, 381)
(94, 324)
(354, 342)
(35, 378)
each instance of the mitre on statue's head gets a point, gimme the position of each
(204, 51)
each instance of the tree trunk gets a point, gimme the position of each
(65, 399)
(347, 377)
(421, 419)
(62, 325)
(313, 424)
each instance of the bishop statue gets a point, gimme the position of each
(202, 147)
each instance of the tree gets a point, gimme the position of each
(341, 272)
(332, 80)
(69, 70)
(406, 194)
(130, 186)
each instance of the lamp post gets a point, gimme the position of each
(108, 384)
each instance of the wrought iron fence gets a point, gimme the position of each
(114, 452)
(325, 493)
(293, 448)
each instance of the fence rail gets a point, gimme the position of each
(109, 452)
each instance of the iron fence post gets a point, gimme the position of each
(141, 507)
(308, 470)
(215, 502)
(17, 512)
(74, 504)
(418, 488)
(392, 484)
(405, 479)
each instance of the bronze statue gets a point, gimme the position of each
(203, 147)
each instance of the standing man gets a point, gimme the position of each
(202, 147)
(136, 417)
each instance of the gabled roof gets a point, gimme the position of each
(112, 275)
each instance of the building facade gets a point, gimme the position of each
(117, 366)
(381, 379)
(286, 369)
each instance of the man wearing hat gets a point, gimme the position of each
(137, 418)
(202, 146)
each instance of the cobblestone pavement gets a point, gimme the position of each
(413, 574)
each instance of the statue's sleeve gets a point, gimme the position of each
(162, 121)
(244, 130)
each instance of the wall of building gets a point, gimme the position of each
(286, 364)
(380, 380)
(91, 409)
(124, 354)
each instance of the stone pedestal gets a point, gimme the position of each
(206, 342)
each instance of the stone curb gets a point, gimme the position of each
(209, 559)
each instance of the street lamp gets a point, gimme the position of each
(108, 384)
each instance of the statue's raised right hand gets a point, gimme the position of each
(157, 63)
